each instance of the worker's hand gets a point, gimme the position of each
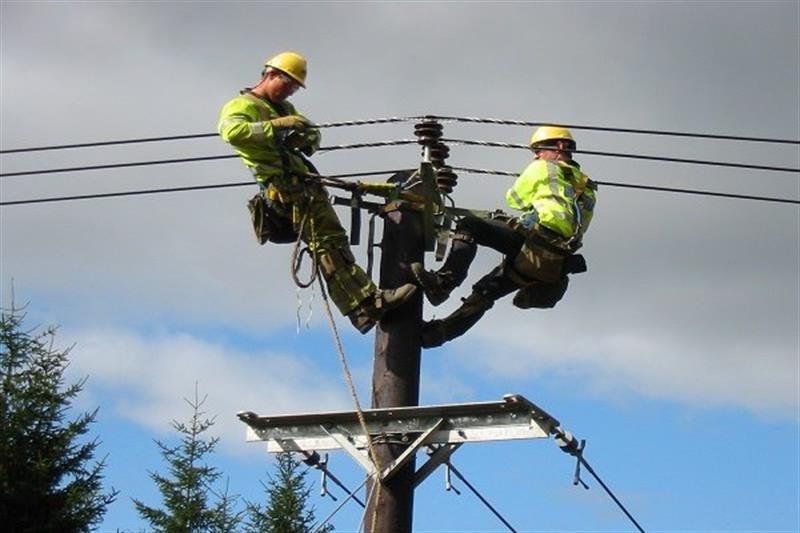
(291, 122)
(311, 145)
(295, 140)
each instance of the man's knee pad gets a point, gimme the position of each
(333, 260)
(348, 285)
(535, 264)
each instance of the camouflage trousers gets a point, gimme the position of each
(313, 216)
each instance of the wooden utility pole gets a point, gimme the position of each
(396, 369)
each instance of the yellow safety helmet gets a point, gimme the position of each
(290, 63)
(550, 133)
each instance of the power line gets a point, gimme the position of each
(619, 130)
(116, 165)
(380, 172)
(189, 136)
(140, 192)
(394, 143)
(409, 119)
(109, 166)
(630, 156)
(569, 444)
(611, 494)
(125, 193)
(108, 143)
(481, 498)
(646, 187)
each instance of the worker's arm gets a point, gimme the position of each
(240, 125)
(519, 196)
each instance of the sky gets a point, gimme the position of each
(676, 356)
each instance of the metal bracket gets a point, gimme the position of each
(430, 193)
(410, 451)
(355, 218)
(438, 455)
(346, 442)
(442, 428)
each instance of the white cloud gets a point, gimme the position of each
(687, 298)
(147, 377)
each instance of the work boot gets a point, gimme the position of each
(437, 332)
(388, 299)
(434, 285)
(361, 319)
(366, 315)
(433, 334)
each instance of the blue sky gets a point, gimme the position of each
(676, 355)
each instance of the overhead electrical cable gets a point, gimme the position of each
(480, 497)
(140, 192)
(190, 136)
(381, 172)
(395, 143)
(646, 187)
(189, 159)
(116, 165)
(617, 130)
(630, 156)
(409, 119)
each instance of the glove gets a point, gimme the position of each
(291, 122)
(312, 138)
(307, 142)
(295, 140)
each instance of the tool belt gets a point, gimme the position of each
(269, 222)
(546, 256)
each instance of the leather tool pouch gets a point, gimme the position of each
(268, 223)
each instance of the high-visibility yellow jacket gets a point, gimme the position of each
(555, 194)
(244, 122)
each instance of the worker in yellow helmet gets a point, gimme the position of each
(273, 140)
(557, 202)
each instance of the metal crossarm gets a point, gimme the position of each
(514, 417)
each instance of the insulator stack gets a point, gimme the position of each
(429, 134)
(446, 179)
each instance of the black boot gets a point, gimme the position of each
(369, 312)
(437, 287)
(437, 332)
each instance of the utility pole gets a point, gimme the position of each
(396, 370)
(407, 234)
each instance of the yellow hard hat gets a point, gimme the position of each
(290, 63)
(550, 133)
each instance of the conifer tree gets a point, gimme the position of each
(185, 491)
(287, 509)
(48, 480)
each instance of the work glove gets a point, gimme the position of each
(311, 145)
(290, 122)
(307, 142)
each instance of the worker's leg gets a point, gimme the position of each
(470, 232)
(485, 292)
(351, 290)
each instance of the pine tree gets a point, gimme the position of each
(287, 508)
(185, 492)
(47, 479)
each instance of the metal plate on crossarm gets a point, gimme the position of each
(514, 417)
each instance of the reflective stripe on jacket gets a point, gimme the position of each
(244, 123)
(557, 195)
